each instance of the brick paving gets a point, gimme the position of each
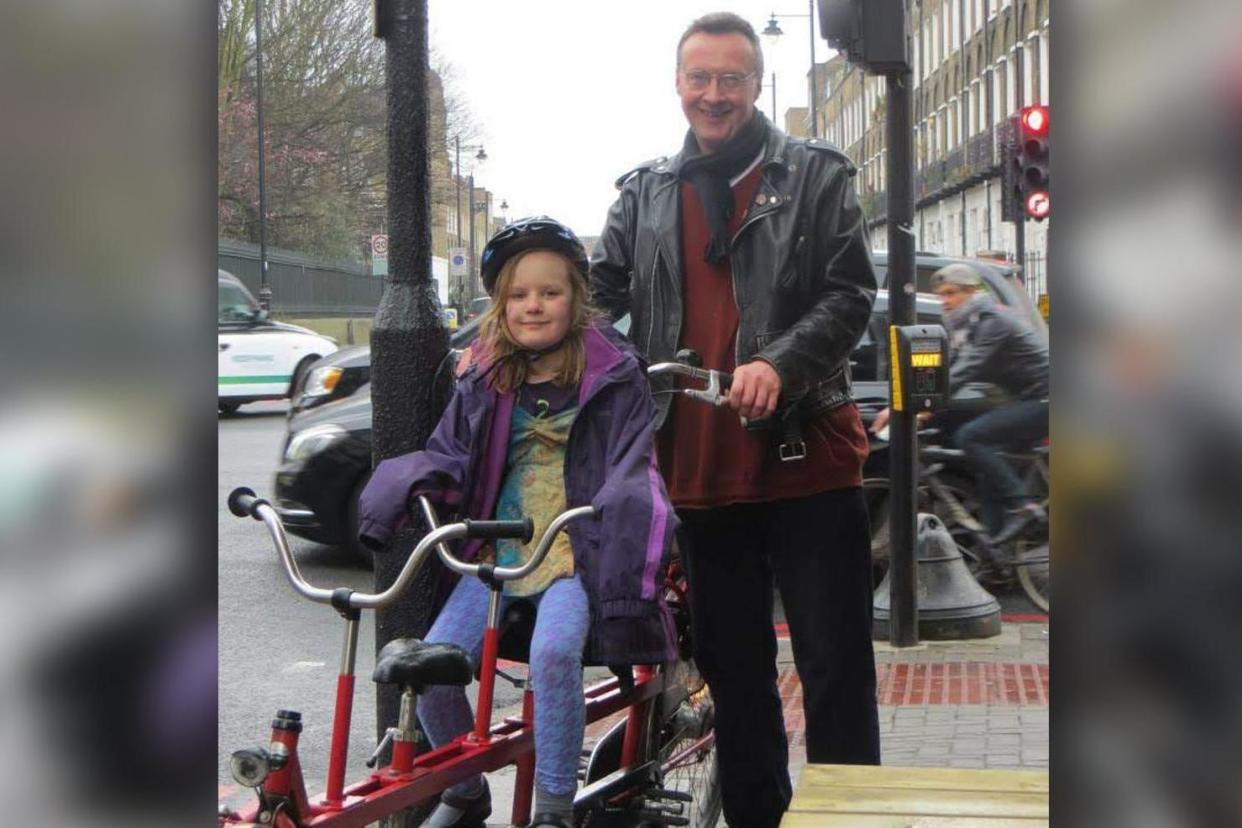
(964, 704)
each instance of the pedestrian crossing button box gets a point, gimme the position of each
(920, 379)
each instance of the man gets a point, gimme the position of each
(991, 344)
(749, 247)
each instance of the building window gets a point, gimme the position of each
(1011, 84)
(954, 29)
(953, 131)
(998, 90)
(1028, 73)
(944, 31)
(1043, 65)
(976, 112)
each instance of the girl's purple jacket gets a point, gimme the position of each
(609, 464)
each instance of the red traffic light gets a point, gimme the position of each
(1038, 205)
(1035, 120)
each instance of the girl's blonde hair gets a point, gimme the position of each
(508, 361)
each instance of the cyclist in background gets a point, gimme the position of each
(990, 343)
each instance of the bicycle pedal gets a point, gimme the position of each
(517, 683)
(664, 793)
(649, 816)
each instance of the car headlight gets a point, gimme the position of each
(313, 440)
(322, 381)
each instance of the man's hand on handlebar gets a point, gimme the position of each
(756, 388)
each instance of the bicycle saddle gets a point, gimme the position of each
(412, 663)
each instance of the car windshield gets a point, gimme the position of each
(234, 304)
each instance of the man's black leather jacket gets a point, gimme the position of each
(803, 279)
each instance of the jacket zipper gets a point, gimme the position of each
(754, 217)
(655, 262)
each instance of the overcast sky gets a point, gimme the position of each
(570, 94)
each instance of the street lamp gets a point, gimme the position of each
(480, 156)
(504, 210)
(773, 33)
(472, 275)
(265, 290)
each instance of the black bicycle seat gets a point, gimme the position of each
(409, 662)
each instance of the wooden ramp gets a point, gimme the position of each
(829, 796)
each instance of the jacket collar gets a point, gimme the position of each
(665, 206)
(773, 153)
(602, 355)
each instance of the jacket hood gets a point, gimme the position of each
(607, 352)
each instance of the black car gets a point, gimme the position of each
(326, 458)
(339, 375)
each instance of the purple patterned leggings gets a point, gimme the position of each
(555, 673)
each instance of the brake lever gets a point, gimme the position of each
(712, 393)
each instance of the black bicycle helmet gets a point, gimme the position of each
(525, 234)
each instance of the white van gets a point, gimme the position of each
(259, 359)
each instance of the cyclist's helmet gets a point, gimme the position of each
(526, 234)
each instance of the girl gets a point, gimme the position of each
(554, 412)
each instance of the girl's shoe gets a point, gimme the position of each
(550, 821)
(473, 813)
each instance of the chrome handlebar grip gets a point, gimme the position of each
(717, 381)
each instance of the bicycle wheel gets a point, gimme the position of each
(1034, 566)
(683, 741)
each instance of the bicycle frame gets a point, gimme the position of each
(409, 780)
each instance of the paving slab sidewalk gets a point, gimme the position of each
(963, 704)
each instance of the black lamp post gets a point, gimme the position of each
(773, 33)
(408, 339)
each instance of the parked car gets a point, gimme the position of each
(326, 458)
(477, 307)
(258, 358)
(340, 374)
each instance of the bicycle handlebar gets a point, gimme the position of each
(243, 502)
(718, 382)
(505, 573)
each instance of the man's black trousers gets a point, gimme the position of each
(818, 549)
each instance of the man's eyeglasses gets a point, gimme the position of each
(729, 81)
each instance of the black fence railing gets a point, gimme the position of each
(302, 285)
(1035, 274)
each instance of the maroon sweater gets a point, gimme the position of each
(707, 457)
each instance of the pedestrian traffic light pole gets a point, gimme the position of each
(903, 582)
(408, 340)
(875, 35)
(1019, 224)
